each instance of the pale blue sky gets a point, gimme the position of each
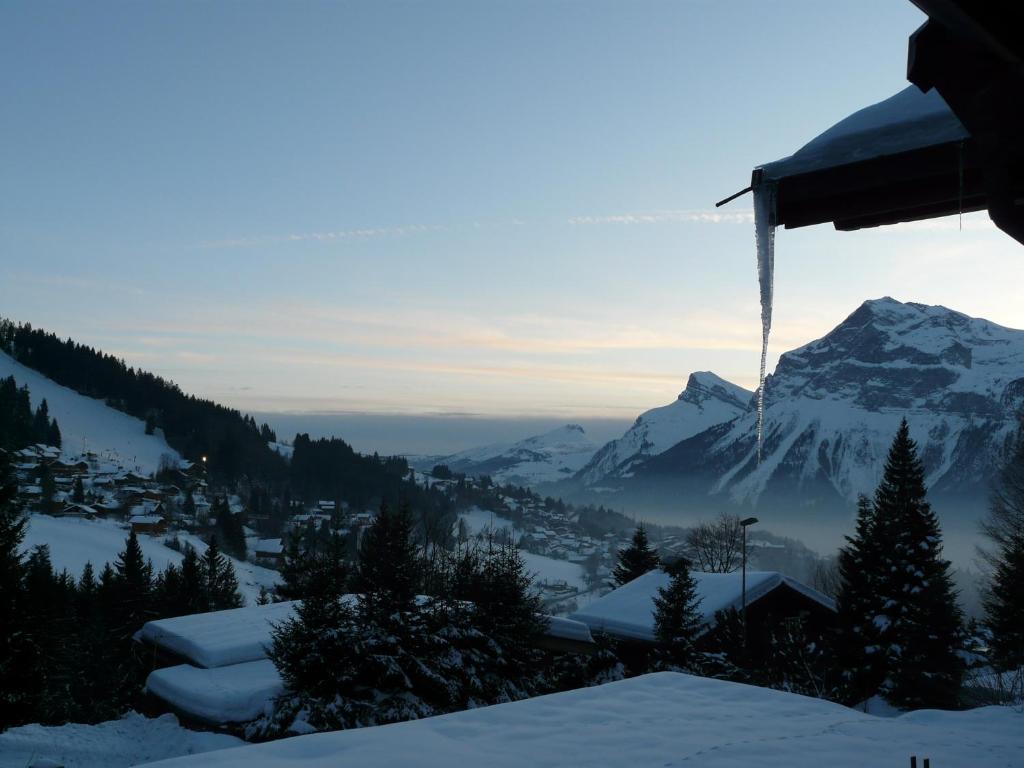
(444, 207)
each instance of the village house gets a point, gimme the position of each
(772, 599)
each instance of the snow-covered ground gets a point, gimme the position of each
(89, 424)
(75, 541)
(664, 719)
(132, 740)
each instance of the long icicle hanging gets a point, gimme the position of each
(764, 233)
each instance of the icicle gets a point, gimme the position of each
(764, 233)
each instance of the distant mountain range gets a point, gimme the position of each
(831, 410)
(547, 458)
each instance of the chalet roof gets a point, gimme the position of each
(629, 610)
(950, 143)
(145, 519)
(239, 635)
(905, 122)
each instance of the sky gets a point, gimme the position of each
(446, 211)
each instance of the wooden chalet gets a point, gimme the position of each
(772, 599)
(151, 525)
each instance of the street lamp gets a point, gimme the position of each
(743, 524)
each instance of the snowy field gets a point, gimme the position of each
(74, 541)
(89, 424)
(665, 719)
(132, 740)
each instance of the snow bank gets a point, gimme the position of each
(235, 694)
(131, 740)
(219, 638)
(89, 424)
(660, 719)
(629, 610)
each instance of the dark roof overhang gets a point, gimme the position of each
(952, 143)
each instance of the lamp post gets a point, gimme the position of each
(743, 524)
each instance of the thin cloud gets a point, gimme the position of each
(362, 233)
(710, 216)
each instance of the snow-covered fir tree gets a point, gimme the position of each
(857, 645)
(920, 622)
(677, 617)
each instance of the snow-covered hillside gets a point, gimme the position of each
(706, 401)
(665, 719)
(75, 541)
(87, 424)
(546, 458)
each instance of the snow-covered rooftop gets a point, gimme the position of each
(219, 638)
(629, 610)
(237, 693)
(655, 720)
(237, 635)
(904, 122)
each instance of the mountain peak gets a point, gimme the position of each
(702, 385)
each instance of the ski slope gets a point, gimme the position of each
(74, 541)
(664, 719)
(89, 424)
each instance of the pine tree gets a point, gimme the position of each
(295, 570)
(508, 606)
(677, 618)
(41, 423)
(1004, 595)
(635, 560)
(220, 581)
(857, 643)
(388, 574)
(48, 491)
(921, 624)
(20, 661)
(53, 435)
(78, 492)
(133, 584)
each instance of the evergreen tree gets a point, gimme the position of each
(48, 491)
(230, 531)
(1004, 595)
(677, 617)
(857, 643)
(133, 587)
(388, 574)
(41, 423)
(635, 560)
(78, 492)
(507, 606)
(20, 661)
(221, 584)
(53, 435)
(295, 570)
(921, 624)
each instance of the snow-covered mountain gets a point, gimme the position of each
(545, 458)
(833, 406)
(87, 424)
(707, 400)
